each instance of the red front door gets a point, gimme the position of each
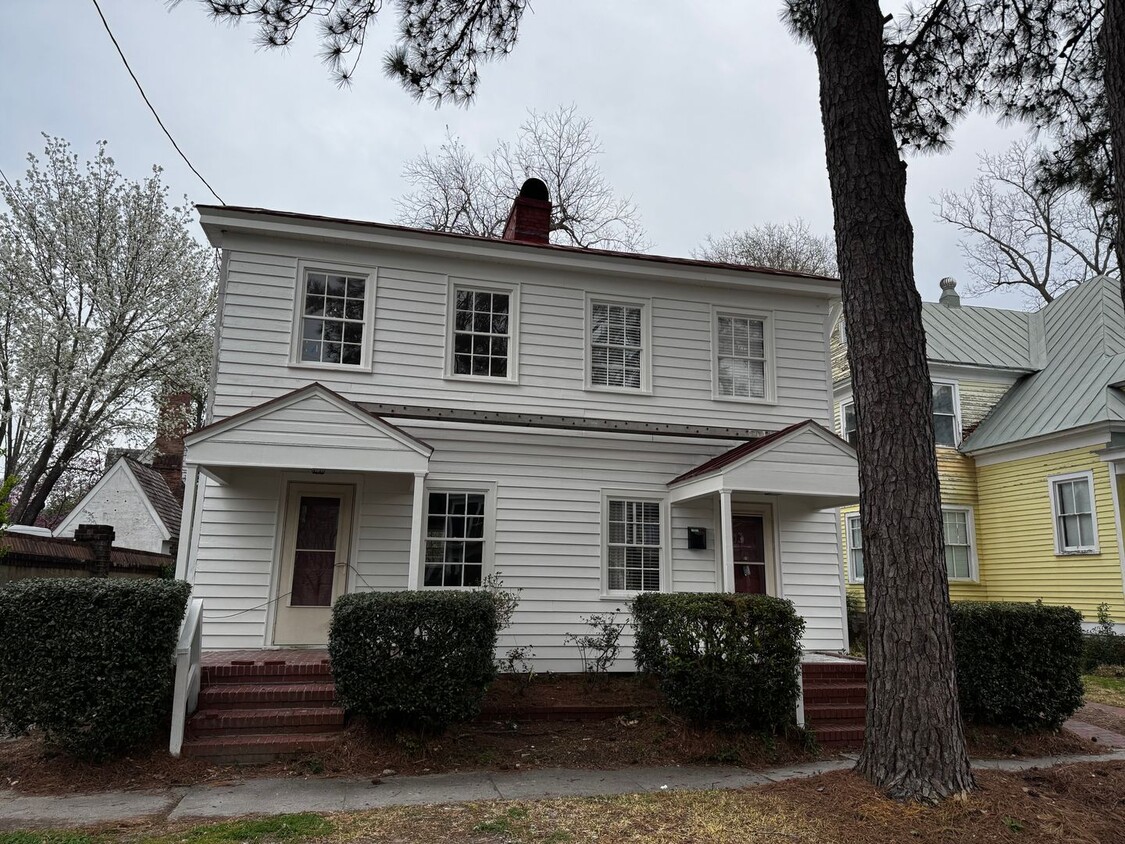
(749, 534)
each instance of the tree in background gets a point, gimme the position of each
(105, 300)
(455, 191)
(781, 246)
(1024, 234)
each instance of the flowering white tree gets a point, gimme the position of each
(106, 301)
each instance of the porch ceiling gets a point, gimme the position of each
(310, 428)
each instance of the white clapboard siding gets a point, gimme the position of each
(408, 347)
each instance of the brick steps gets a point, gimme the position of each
(836, 702)
(277, 705)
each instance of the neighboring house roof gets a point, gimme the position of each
(167, 506)
(41, 550)
(982, 336)
(1084, 339)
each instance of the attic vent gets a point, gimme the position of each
(530, 217)
(949, 296)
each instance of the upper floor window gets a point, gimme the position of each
(855, 549)
(483, 325)
(334, 319)
(741, 356)
(947, 429)
(634, 541)
(618, 345)
(455, 538)
(1072, 503)
(847, 422)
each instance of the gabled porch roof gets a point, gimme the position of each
(310, 428)
(805, 459)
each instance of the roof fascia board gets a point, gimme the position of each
(1088, 435)
(218, 225)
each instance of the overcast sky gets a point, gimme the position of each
(708, 113)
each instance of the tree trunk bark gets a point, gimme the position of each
(915, 743)
(1113, 47)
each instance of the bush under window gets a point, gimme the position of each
(1018, 664)
(421, 659)
(722, 658)
(89, 661)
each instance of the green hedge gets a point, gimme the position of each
(421, 659)
(89, 661)
(1018, 664)
(722, 658)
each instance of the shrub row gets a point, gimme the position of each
(719, 657)
(89, 661)
(416, 658)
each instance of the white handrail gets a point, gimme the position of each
(189, 648)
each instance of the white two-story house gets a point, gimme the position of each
(394, 409)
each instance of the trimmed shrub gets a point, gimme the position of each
(1104, 646)
(421, 659)
(722, 658)
(1018, 664)
(89, 661)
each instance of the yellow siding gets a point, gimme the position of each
(1016, 541)
(977, 399)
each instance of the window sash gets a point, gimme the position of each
(634, 545)
(740, 352)
(482, 332)
(957, 533)
(333, 318)
(617, 345)
(455, 538)
(1074, 515)
(945, 415)
(855, 548)
(848, 421)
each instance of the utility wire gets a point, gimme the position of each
(137, 82)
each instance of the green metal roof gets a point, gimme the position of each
(982, 336)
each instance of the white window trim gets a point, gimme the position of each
(768, 343)
(659, 496)
(942, 382)
(970, 526)
(646, 343)
(370, 274)
(1052, 482)
(848, 529)
(488, 488)
(846, 403)
(513, 290)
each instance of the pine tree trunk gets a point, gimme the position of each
(915, 743)
(1113, 47)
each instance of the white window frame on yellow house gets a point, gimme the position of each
(970, 535)
(956, 397)
(849, 530)
(845, 405)
(1053, 483)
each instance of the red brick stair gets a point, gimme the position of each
(835, 702)
(264, 705)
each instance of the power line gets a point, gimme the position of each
(137, 82)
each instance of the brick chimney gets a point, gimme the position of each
(174, 420)
(529, 220)
(99, 538)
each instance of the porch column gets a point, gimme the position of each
(414, 564)
(727, 542)
(187, 522)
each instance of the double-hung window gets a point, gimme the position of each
(1072, 502)
(742, 356)
(335, 318)
(455, 538)
(633, 544)
(618, 338)
(847, 422)
(483, 332)
(855, 548)
(946, 415)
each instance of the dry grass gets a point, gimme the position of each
(1108, 690)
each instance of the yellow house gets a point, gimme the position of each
(1029, 418)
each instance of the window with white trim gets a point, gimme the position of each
(455, 538)
(482, 332)
(741, 356)
(1072, 502)
(855, 549)
(957, 531)
(617, 338)
(946, 414)
(333, 318)
(634, 545)
(847, 422)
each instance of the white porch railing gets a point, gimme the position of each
(188, 673)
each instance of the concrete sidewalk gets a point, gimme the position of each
(282, 796)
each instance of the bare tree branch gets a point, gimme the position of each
(781, 246)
